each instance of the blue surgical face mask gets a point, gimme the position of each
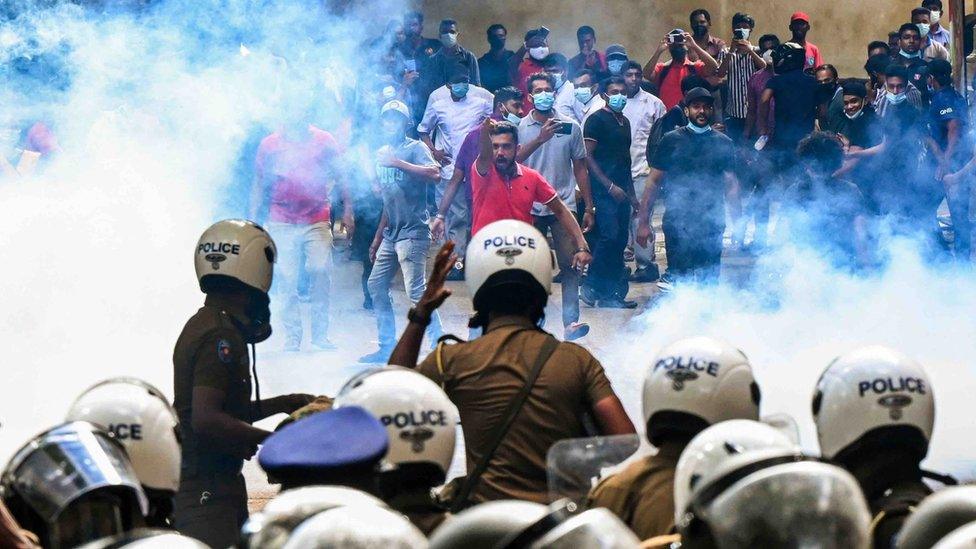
(513, 118)
(543, 101)
(698, 130)
(923, 29)
(559, 80)
(617, 102)
(896, 98)
(460, 89)
(583, 95)
(907, 55)
(616, 65)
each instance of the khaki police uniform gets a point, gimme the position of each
(891, 509)
(481, 377)
(211, 504)
(642, 495)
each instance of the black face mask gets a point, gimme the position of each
(700, 30)
(258, 310)
(496, 43)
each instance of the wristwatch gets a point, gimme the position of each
(414, 316)
(440, 216)
(590, 210)
(587, 250)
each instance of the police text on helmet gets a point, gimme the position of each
(403, 419)
(883, 385)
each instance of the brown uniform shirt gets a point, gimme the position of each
(482, 376)
(211, 353)
(642, 495)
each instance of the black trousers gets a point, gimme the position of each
(607, 278)
(212, 508)
(693, 246)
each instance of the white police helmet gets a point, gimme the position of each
(695, 382)
(865, 393)
(357, 527)
(487, 525)
(961, 538)
(714, 451)
(506, 252)
(589, 529)
(272, 526)
(786, 501)
(141, 418)
(237, 249)
(937, 516)
(419, 418)
(147, 538)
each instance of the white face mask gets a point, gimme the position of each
(935, 16)
(539, 53)
(854, 116)
(923, 29)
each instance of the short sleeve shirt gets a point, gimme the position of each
(695, 167)
(404, 195)
(450, 121)
(554, 159)
(948, 105)
(813, 58)
(641, 110)
(494, 197)
(494, 72)
(482, 376)
(297, 175)
(612, 152)
(795, 109)
(211, 353)
(670, 86)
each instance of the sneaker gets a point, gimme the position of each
(456, 275)
(293, 345)
(381, 356)
(665, 283)
(616, 303)
(576, 330)
(646, 273)
(628, 254)
(324, 344)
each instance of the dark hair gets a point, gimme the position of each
(584, 30)
(893, 34)
(768, 37)
(460, 74)
(506, 94)
(448, 23)
(539, 76)
(495, 26)
(556, 60)
(822, 151)
(691, 82)
(897, 71)
(632, 65)
(413, 15)
(877, 63)
(530, 34)
(586, 72)
(933, 3)
(879, 44)
(743, 18)
(609, 81)
(696, 13)
(908, 27)
(502, 127)
(921, 11)
(855, 88)
(827, 67)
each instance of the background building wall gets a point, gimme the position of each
(842, 29)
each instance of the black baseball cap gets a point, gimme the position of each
(699, 94)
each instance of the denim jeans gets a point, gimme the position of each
(411, 257)
(457, 225)
(565, 250)
(303, 249)
(643, 256)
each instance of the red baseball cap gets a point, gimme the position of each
(800, 16)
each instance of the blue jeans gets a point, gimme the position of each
(303, 249)
(411, 257)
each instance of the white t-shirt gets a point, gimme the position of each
(582, 111)
(642, 110)
(565, 99)
(451, 121)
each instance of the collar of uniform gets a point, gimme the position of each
(509, 320)
(233, 307)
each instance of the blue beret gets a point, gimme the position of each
(338, 441)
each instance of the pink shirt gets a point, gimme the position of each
(297, 174)
(813, 59)
(494, 198)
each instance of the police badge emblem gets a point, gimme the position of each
(894, 404)
(417, 437)
(224, 353)
(679, 376)
(509, 254)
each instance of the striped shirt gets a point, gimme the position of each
(735, 92)
(880, 102)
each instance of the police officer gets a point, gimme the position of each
(357, 527)
(139, 416)
(509, 421)
(272, 526)
(234, 260)
(71, 485)
(874, 410)
(938, 516)
(422, 426)
(690, 385)
(487, 524)
(317, 450)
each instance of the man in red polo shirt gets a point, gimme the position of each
(295, 169)
(668, 76)
(501, 188)
(800, 26)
